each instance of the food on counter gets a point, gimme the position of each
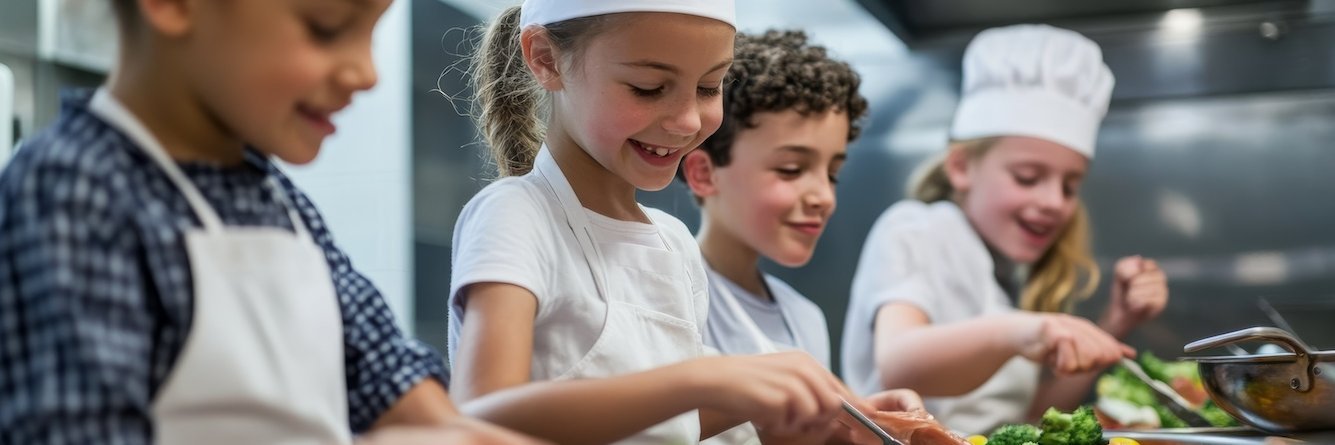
(1114, 413)
(1015, 435)
(916, 427)
(1126, 402)
(1079, 427)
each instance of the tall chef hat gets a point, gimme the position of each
(1034, 80)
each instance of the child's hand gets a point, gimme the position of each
(782, 394)
(896, 400)
(844, 430)
(834, 434)
(851, 431)
(1066, 343)
(460, 430)
(1139, 293)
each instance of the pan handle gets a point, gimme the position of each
(1303, 353)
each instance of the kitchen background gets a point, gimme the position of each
(1215, 158)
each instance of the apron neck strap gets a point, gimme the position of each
(545, 166)
(110, 110)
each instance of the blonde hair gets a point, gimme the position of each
(1065, 274)
(511, 106)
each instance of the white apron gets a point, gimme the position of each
(649, 320)
(958, 273)
(745, 433)
(1005, 397)
(263, 361)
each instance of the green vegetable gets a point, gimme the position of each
(1166, 417)
(1216, 415)
(1167, 371)
(1014, 435)
(1077, 428)
(1119, 383)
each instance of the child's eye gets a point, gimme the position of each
(321, 32)
(1026, 180)
(646, 92)
(709, 91)
(788, 171)
(834, 179)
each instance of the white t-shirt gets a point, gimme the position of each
(514, 232)
(790, 320)
(929, 256)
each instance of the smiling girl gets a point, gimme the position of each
(996, 225)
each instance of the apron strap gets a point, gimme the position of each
(298, 226)
(105, 106)
(544, 165)
(113, 112)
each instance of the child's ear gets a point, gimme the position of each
(699, 172)
(541, 57)
(956, 167)
(167, 17)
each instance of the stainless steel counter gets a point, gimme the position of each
(1217, 436)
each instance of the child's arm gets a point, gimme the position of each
(80, 321)
(392, 378)
(909, 352)
(1064, 392)
(459, 430)
(786, 391)
(425, 404)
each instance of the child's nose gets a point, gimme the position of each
(684, 119)
(358, 73)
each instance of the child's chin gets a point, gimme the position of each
(792, 259)
(654, 184)
(298, 156)
(1025, 255)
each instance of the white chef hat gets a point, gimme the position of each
(1034, 80)
(545, 12)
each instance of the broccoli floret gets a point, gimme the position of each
(1080, 427)
(1086, 429)
(1014, 435)
(1054, 420)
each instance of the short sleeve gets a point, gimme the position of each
(381, 362)
(501, 237)
(894, 268)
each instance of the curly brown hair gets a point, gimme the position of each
(780, 71)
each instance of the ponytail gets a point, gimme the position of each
(511, 108)
(509, 100)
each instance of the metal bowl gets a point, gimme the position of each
(1281, 393)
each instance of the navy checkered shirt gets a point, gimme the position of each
(95, 287)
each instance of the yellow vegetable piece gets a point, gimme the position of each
(977, 440)
(1122, 441)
